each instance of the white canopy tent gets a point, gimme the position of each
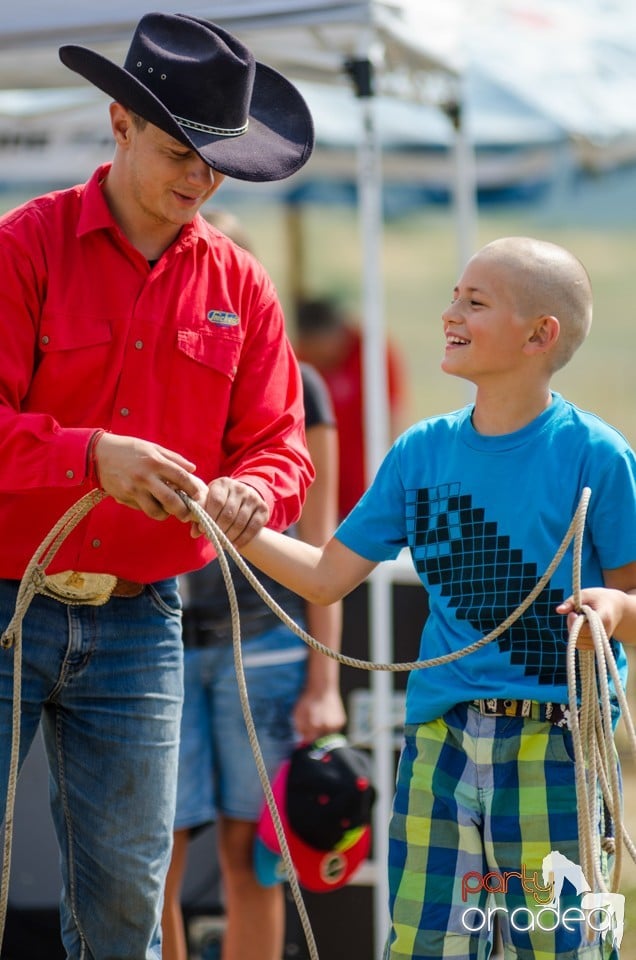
(309, 38)
(413, 49)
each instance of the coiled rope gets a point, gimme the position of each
(591, 724)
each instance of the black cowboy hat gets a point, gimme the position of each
(202, 86)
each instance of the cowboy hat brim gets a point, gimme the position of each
(280, 135)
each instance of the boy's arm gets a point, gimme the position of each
(319, 574)
(615, 603)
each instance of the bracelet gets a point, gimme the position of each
(92, 469)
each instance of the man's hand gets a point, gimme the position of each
(238, 510)
(145, 476)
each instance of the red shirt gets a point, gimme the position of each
(190, 354)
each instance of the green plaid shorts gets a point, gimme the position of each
(480, 802)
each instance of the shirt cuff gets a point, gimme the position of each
(67, 458)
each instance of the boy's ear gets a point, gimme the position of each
(544, 334)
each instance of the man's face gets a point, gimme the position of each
(165, 180)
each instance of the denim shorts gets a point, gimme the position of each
(217, 771)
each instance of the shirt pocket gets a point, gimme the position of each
(218, 353)
(203, 371)
(63, 332)
(74, 354)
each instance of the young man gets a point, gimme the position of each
(143, 353)
(483, 497)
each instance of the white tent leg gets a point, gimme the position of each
(380, 637)
(376, 420)
(464, 199)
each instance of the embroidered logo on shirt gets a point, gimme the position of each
(223, 318)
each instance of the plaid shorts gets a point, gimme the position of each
(480, 802)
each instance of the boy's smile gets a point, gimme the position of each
(453, 340)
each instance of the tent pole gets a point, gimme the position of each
(464, 193)
(376, 426)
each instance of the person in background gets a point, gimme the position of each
(329, 338)
(293, 694)
(143, 353)
(482, 497)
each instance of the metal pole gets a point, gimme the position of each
(464, 193)
(376, 426)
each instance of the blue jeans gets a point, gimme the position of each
(217, 770)
(107, 685)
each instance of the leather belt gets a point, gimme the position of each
(555, 713)
(127, 588)
(93, 589)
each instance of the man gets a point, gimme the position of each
(144, 354)
(330, 339)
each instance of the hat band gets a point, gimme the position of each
(204, 128)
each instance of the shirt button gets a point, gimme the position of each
(70, 474)
(124, 411)
(96, 543)
(139, 345)
(45, 339)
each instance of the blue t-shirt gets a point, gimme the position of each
(483, 517)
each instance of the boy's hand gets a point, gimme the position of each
(238, 510)
(608, 604)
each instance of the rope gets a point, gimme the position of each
(221, 544)
(31, 583)
(591, 724)
(212, 532)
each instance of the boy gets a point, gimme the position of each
(482, 497)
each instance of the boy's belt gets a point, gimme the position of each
(94, 589)
(556, 713)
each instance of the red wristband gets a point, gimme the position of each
(92, 469)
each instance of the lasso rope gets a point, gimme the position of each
(591, 726)
(31, 583)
